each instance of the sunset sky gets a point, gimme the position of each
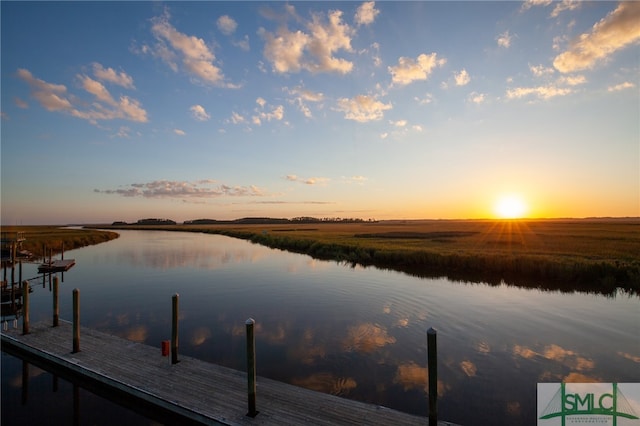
(385, 110)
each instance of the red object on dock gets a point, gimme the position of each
(165, 348)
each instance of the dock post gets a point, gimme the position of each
(56, 305)
(251, 368)
(25, 307)
(174, 328)
(76, 320)
(432, 362)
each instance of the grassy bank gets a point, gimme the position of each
(569, 255)
(52, 237)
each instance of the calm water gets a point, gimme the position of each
(355, 332)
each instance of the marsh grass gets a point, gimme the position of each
(599, 256)
(53, 238)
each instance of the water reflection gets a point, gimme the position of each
(355, 332)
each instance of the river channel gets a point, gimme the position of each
(359, 333)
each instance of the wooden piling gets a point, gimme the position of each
(174, 328)
(25, 307)
(432, 362)
(76, 320)
(56, 304)
(251, 368)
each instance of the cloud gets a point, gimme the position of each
(621, 86)
(362, 108)
(242, 44)
(199, 113)
(226, 25)
(276, 112)
(614, 32)
(300, 96)
(237, 118)
(112, 76)
(20, 103)
(540, 70)
(542, 92)
(528, 4)
(565, 5)
(366, 13)
(462, 78)
(399, 123)
(207, 188)
(54, 97)
(197, 58)
(409, 70)
(179, 132)
(476, 98)
(504, 39)
(97, 89)
(428, 98)
(293, 51)
(307, 181)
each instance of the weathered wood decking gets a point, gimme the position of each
(194, 390)
(57, 265)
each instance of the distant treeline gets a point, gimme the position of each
(247, 221)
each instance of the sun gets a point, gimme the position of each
(511, 207)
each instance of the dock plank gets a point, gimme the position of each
(196, 390)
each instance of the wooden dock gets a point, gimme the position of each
(56, 266)
(193, 391)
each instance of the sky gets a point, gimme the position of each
(374, 110)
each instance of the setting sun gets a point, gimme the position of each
(510, 207)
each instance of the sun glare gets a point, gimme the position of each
(510, 207)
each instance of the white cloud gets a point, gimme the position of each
(97, 89)
(542, 92)
(409, 70)
(615, 31)
(237, 118)
(366, 13)
(362, 108)
(307, 181)
(540, 70)
(112, 76)
(242, 44)
(54, 97)
(199, 113)
(207, 188)
(384, 135)
(226, 24)
(292, 51)
(565, 5)
(504, 39)
(301, 96)
(275, 113)
(572, 80)
(197, 58)
(528, 4)
(427, 99)
(621, 86)
(417, 128)
(399, 123)
(326, 39)
(179, 132)
(462, 78)
(476, 98)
